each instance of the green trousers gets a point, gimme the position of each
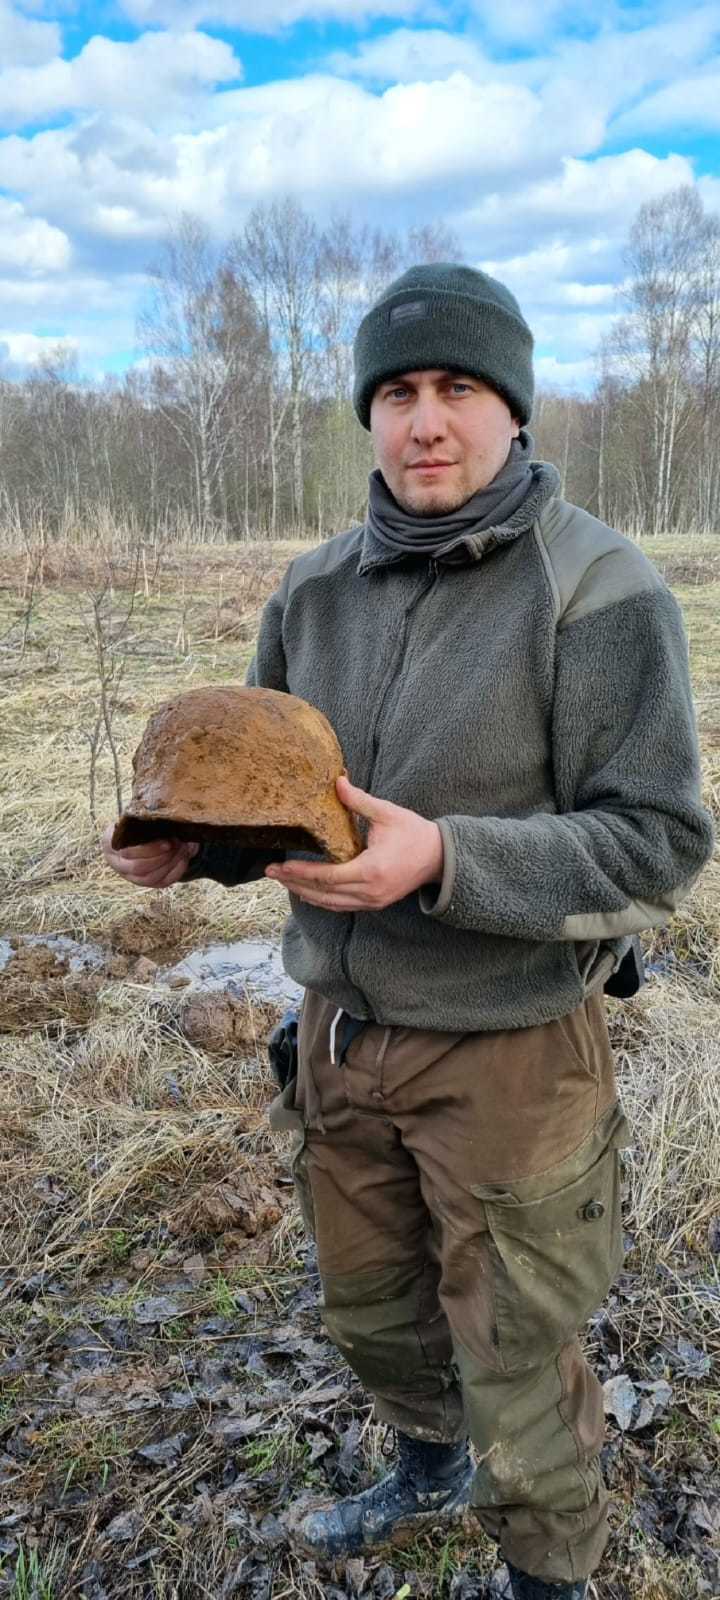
(463, 1190)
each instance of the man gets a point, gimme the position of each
(508, 680)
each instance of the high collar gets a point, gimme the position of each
(470, 546)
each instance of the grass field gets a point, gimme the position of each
(165, 1386)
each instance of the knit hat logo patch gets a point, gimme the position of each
(411, 311)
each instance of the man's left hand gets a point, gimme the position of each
(403, 851)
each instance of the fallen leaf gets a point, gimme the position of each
(231, 1429)
(125, 1527)
(619, 1400)
(706, 1516)
(158, 1308)
(165, 1452)
(653, 1402)
(686, 1359)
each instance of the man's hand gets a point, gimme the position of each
(151, 866)
(403, 851)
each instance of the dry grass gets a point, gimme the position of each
(128, 1140)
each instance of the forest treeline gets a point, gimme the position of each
(237, 422)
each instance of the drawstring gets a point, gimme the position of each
(349, 1027)
(333, 1033)
(313, 1108)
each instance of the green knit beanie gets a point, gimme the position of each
(442, 315)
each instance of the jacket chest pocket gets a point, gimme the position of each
(554, 1256)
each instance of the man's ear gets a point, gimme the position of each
(515, 427)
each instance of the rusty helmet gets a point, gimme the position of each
(252, 765)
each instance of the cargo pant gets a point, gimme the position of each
(463, 1190)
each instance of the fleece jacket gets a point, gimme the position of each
(529, 690)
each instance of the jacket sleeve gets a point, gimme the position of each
(223, 861)
(630, 834)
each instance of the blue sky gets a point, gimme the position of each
(535, 130)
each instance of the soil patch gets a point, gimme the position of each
(37, 988)
(161, 928)
(225, 1025)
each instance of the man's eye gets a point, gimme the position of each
(397, 394)
(464, 388)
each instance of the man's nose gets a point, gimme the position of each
(428, 419)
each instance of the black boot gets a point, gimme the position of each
(526, 1588)
(430, 1482)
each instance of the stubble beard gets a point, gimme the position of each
(434, 505)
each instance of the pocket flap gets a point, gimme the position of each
(573, 1208)
(610, 1132)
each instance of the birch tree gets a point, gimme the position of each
(706, 337)
(277, 254)
(178, 329)
(654, 340)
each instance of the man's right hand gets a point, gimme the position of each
(151, 866)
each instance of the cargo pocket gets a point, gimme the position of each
(554, 1254)
(285, 1117)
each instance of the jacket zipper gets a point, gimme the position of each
(396, 669)
(392, 677)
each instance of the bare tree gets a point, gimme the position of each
(706, 332)
(277, 254)
(432, 241)
(653, 342)
(180, 329)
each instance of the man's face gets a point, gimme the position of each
(439, 437)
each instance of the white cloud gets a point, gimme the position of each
(27, 349)
(29, 244)
(328, 140)
(413, 55)
(25, 40)
(321, 135)
(568, 336)
(690, 104)
(531, 19)
(269, 16)
(570, 377)
(69, 295)
(619, 64)
(151, 77)
(587, 205)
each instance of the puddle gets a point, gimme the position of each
(254, 964)
(80, 957)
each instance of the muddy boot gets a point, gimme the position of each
(430, 1482)
(526, 1588)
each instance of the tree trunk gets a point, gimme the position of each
(297, 452)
